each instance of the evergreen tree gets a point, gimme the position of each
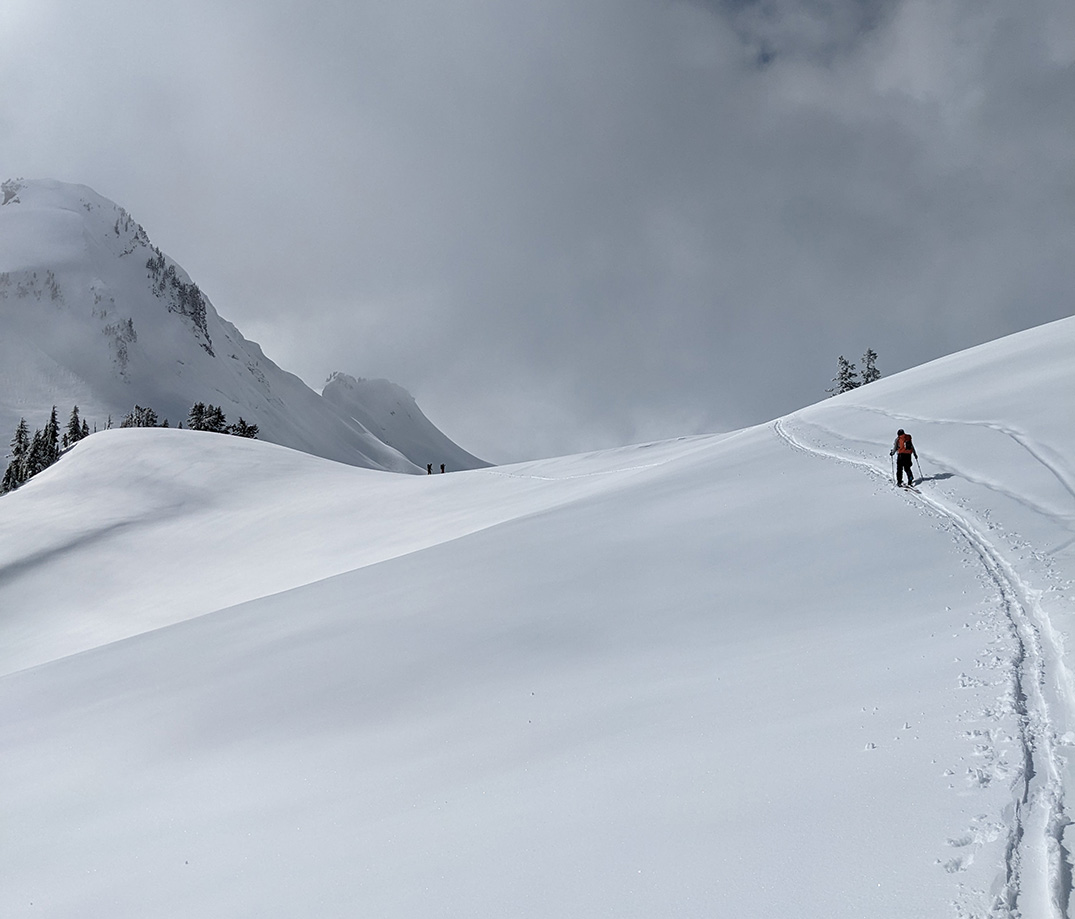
(140, 417)
(870, 373)
(211, 417)
(214, 419)
(38, 458)
(20, 444)
(85, 428)
(51, 436)
(846, 377)
(31, 455)
(11, 478)
(196, 417)
(73, 434)
(242, 429)
(15, 474)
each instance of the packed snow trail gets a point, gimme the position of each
(1037, 869)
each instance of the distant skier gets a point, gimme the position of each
(429, 469)
(903, 449)
(442, 468)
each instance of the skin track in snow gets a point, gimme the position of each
(1037, 878)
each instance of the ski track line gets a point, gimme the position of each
(1034, 449)
(1055, 469)
(1038, 879)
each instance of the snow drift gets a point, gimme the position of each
(739, 675)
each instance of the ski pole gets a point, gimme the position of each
(920, 475)
(891, 457)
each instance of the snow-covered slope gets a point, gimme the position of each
(388, 411)
(739, 675)
(91, 314)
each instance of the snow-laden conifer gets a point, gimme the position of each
(242, 429)
(196, 416)
(15, 474)
(20, 443)
(215, 420)
(39, 457)
(51, 436)
(140, 417)
(11, 479)
(870, 373)
(73, 434)
(846, 378)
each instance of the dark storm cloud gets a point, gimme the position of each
(565, 225)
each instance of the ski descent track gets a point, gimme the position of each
(1037, 874)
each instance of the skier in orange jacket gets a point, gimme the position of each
(903, 449)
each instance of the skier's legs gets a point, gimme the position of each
(903, 464)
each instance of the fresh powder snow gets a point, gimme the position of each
(736, 675)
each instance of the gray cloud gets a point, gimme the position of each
(821, 30)
(564, 226)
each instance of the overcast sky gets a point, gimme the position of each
(571, 224)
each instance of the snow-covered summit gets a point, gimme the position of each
(93, 314)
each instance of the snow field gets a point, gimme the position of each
(736, 675)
